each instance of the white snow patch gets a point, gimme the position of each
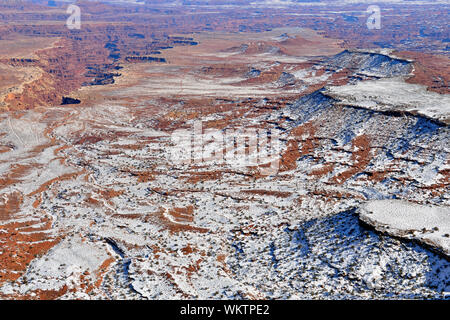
(428, 224)
(394, 95)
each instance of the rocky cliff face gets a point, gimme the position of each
(89, 57)
(129, 222)
(428, 225)
(93, 205)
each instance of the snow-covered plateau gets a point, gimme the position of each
(427, 224)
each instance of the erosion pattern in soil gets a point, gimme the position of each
(93, 205)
